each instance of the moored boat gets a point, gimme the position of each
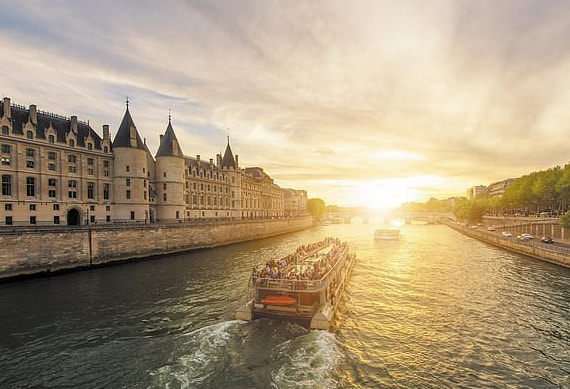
(390, 233)
(304, 286)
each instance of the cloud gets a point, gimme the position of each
(326, 95)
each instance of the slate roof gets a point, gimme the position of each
(61, 125)
(166, 148)
(193, 163)
(123, 136)
(228, 160)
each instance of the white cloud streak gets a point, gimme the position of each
(330, 96)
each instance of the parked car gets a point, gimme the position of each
(525, 237)
(547, 239)
(507, 234)
(491, 228)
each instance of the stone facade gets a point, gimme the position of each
(59, 171)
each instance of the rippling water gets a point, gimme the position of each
(434, 310)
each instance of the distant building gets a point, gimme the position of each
(295, 202)
(57, 170)
(475, 191)
(497, 189)
(451, 200)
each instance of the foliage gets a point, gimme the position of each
(469, 210)
(316, 208)
(541, 191)
(565, 220)
(332, 208)
(432, 205)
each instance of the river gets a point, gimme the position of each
(434, 310)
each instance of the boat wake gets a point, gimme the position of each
(196, 357)
(307, 361)
(259, 354)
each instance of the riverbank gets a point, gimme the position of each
(533, 248)
(30, 251)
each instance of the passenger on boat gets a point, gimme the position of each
(254, 276)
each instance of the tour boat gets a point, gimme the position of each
(391, 233)
(304, 286)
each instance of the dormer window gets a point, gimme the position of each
(30, 134)
(51, 139)
(71, 143)
(5, 130)
(105, 149)
(89, 146)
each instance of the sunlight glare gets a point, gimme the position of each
(387, 194)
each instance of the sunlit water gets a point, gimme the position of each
(433, 310)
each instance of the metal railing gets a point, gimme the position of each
(294, 285)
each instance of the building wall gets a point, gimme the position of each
(65, 176)
(130, 185)
(171, 199)
(82, 177)
(42, 250)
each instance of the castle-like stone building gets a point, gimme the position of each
(59, 171)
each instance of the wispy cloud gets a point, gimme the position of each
(338, 98)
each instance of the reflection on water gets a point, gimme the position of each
(434, 309)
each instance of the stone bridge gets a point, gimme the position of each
(429, 217)
(345, 216)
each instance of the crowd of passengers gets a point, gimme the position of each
(314, 264)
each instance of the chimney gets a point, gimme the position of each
(237, 161)
(211, 163)
(7, 110)
(218, 160)
(198, 158)
(33, 114)
(105, 131)
(74, 124)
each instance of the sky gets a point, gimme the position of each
(361, 103)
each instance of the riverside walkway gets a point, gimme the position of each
(554, 253)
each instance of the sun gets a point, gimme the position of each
(382, 195)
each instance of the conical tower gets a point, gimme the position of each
(130, 179)
(230, 166)
(170, 177)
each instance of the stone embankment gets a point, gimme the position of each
(559, 255)
(28, 251)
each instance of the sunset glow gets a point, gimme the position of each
(365, 103)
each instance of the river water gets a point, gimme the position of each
(434, 310)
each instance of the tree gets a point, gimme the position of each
(565, 220)
(316, 208)
(563, 187)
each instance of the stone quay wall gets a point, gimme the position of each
(545, 252)
(536, 226)
(27, 251)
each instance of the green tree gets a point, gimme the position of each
(316, 208)
(544, 188)
(563, 187)
(565, 220)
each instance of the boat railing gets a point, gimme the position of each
(284, 284)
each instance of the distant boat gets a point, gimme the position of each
(389, 233)
(337, 220)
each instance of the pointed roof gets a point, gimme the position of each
(169, 145)
(123, 136)
(228, 160)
